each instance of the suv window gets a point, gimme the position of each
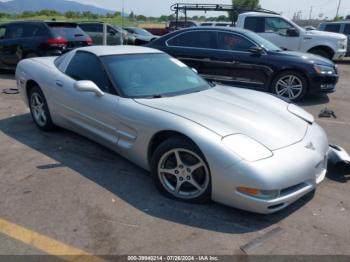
(199, 39)
(255, 24)
(233, 42)
(14, 31)
(346, 29)
(78, 70)
(277, 25)
(95, 28)
(2, 32)
(33, 30)
(332, 28)
(66, 30)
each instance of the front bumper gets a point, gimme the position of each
(339, 55)
(323, 83)
(294, 171)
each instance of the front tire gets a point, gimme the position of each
(39, 109)
(321, 52)
(180, 171)
(291, 85)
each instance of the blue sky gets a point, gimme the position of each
(155, 7)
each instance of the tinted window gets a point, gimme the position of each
(96, 28)
(33, 30)
(148, 75)
(15, 31)
(2, 32)
(332, 28)
(255, 24)
(347, 29)
(86, 66)
(199, 39)
(277, 25)
(206, 24)
(66, 30)
(228, 41)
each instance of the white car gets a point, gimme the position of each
(286, 34)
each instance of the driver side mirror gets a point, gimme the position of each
(88, 86)
(293, 32)
(256, 50)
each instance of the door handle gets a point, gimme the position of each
(59, 83)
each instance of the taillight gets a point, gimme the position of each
(57, 41)
(89, 41)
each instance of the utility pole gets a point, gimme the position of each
(310, 16)
(122, 13)
(339, 3)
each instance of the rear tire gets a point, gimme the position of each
(291, 85)
(180, 171)
(39, 109)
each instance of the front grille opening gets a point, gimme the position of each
(292, 189)
(276, 206)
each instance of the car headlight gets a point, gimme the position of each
(324, 70)
(246, 147)
(342, 43)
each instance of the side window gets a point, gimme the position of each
(92, 28)
(2, 32)
(112, 31)
(332, 28)
(86, 66)
(32, 30)
(199, 39)
(277, 25)
(15, 31)
(346, 29)
(255, 24)
(233, 42)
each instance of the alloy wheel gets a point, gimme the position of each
(183, 173)
(289, 86)
(38, 109)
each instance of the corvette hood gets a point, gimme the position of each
(228, 110)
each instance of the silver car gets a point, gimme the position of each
(200, 141)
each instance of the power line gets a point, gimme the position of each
(338, 8)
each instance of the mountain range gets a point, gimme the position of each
(18, 6)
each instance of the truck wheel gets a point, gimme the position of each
(321, 52)
(291, 85)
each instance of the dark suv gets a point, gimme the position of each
(19, 40)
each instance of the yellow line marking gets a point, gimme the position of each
(45, 244)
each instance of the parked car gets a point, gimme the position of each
(288, 35)
(224, 24)
(239, 57)
(95, 31)
(173, 25)
(142, 36)
(26, 39)
(342, 27)
(236, 146)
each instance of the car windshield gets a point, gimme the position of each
(267, 45)
(152, 75)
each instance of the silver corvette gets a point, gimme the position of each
(200, 141)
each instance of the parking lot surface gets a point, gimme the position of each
(63, 194)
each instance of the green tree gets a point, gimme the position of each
(243, 5)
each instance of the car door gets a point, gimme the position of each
(346, 32)
(92, 115)
(194, 48)
(277, 30)
(11, 51)
(113, 36)
(236, 65)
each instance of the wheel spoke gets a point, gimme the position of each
(38, 103)
(178, 186)
(195, 184)
(196, 166)
(43, 116)
(177, 156)
(168, 171)
(282, 91)
(282, 83)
